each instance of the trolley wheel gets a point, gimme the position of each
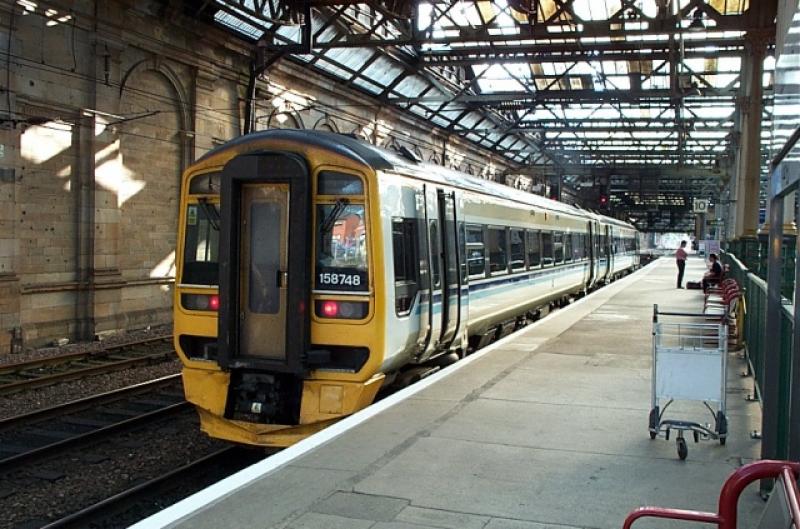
(683, 450)
(722, 427)
(652, 423)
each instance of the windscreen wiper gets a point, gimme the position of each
(211, 213)
(333, 216)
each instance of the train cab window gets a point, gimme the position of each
(517, 250)
(341, 247)
(334, 183)
(406, 263)
(476, 252)
(534, 248)
(201, 244)
(547, 248)
(497, 245)
(558, 247)
(568, 247)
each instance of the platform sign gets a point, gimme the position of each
(700, 205)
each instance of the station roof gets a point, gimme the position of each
(614, 89)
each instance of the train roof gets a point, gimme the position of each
(383, 159)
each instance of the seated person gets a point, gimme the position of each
(714, 274)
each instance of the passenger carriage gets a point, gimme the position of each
(314, 268)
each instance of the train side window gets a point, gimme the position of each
(577, 247)
(517, 250)
(547, 248)
(568, 247)
(558, 247)
(334, 183)
(534, 249)
(497, 244)
(476, 252)
(406, 274)
(433, 232)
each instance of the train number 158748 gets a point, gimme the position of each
(349, 279)
(332, 278)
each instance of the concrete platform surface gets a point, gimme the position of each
(548, 428)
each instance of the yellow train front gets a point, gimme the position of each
(266, 362)
(312, 268)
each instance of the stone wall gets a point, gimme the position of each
(108, 104)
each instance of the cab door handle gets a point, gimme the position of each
(281, 279)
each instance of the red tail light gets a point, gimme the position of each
(330, 309)
(342, 310)
(200, 302)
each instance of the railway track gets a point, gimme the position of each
(137, 502)
(51, 370)
(85, 459)
(39, 434)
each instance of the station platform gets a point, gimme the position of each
(545, 428)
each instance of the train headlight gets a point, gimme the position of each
(342, 310)
(200, 302)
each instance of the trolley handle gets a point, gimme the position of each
(657, 313)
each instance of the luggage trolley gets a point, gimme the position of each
(689, 364)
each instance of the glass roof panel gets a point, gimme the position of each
(349, 58)
(240, 24)
(367, 85)
(604, 90)
(383, 71)
(411, 86)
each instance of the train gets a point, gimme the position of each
(314, 269)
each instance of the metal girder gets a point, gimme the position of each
(520, 100)
(647, 112)
(555, 53)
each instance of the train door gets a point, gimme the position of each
(451, 273)
(264, 264)
(590, 252)
(605, 253)
(434, 253)
(612, 251)
(263, 270)
(444, 301)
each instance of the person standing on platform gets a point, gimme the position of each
(680, 259)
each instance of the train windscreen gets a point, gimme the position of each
(201, 246)
(341, 247)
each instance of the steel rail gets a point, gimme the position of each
(16, 460)
(17, 367)
(106, 356)
(47, 380)
(86, 402)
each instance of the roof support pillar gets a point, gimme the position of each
(748, 158)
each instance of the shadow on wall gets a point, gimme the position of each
(137, 176)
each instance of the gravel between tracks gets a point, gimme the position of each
(35, 399)
(143, 454)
